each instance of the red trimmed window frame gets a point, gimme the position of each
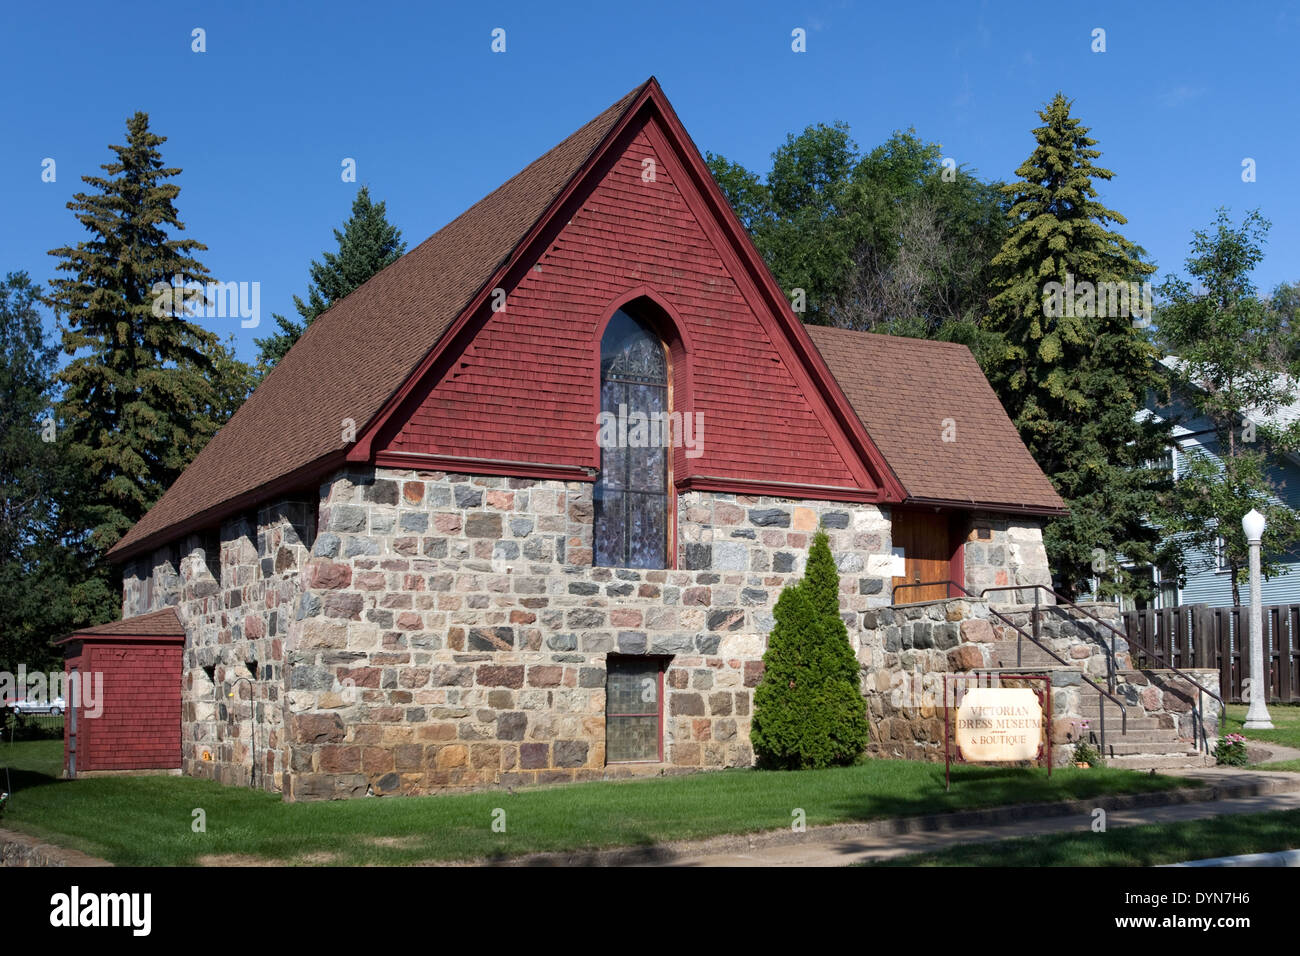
(654, 309)
(662, 664)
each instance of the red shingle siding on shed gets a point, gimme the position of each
(139, 727)
(531, 364)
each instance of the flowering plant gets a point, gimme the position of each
(1084, 752)
(1231, 751)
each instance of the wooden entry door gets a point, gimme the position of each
(924, 541)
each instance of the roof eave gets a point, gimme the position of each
(972, 504)
(309, 473)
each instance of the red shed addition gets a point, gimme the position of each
(128, 714)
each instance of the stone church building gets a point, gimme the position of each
(518, 508)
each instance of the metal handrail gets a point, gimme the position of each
(1112, 656)
(1062, 600)
(930, 584)
(1123, 711)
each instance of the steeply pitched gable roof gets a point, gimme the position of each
(353, 363)
(904, 390)
(355, 355)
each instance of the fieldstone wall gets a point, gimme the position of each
(1071, 634)
(455, 633)
(1001, 551)
(411, 631)
(238, 593)
(906, 650)
(1173, 699)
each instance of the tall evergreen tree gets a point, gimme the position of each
(1071, 363)
(136, 392)
(47, 587)
(367, 243)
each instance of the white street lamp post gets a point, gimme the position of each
(1257, 717)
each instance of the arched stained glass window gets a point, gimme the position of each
(631, 494)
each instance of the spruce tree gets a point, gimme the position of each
(136, 394)
(809, 711)
(47, 586)
(1072, 367)
(367, 243)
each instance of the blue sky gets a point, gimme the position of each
(261, 122)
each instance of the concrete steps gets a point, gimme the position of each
(1149, 743)
(1135, 724)
(1178, 761)
(1124, 745)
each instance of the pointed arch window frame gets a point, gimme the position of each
(652, 309)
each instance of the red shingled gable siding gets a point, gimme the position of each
(524, 388)
(139, 727)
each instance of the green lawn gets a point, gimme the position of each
(1129, 846)
(1286, 723)
(1289, 766)
(147, 820)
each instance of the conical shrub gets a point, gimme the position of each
(808, 708)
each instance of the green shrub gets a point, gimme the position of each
(808, 709)
(1085, 752)
(1231, 751)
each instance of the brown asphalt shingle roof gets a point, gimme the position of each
(356, 355)
(903, 390)
(164, 623)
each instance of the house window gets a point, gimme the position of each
(1167, 589)
(634, 709)
(1220, 554)
(631, 493)
(1164, 586)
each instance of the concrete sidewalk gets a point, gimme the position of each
(884, 846)
(1227, 791)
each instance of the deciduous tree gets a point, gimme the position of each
(1235, 364)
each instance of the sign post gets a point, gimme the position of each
(997, 724)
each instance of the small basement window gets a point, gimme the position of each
(634, 713)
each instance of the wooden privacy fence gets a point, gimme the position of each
(1196, 635)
